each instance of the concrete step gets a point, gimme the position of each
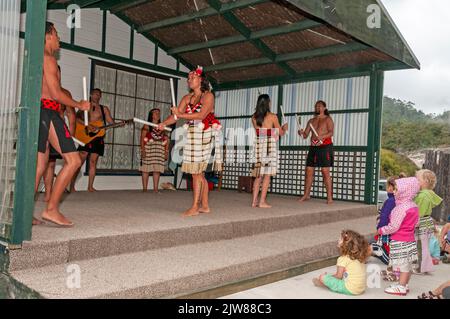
(135, 233)
(186, 269)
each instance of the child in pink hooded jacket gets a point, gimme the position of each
(403, 220)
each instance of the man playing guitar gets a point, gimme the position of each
(95, 148)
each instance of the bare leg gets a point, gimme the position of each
(156, 176)
(204, 196)
(83, 156)
(41, 166)
(404, 278)
(196, 185)
(264, 189)
(328, 184)
(438, 291)
(256, 185)
(48, 179)
(72, 162)
(318, 282)
(145, 176)
(93, 159)
(309, 178)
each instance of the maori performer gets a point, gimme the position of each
(154, 151)
(265, 156)
(54, 132)
(197, 108)
(320, 154)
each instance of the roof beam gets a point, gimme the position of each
(345, 72)
(80, 3)
(226, 7)
(246, 32)
(294, 27)
(125, 5)
(303, 55)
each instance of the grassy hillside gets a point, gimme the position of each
(393, 164)
(407, 129)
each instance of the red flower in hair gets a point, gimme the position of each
(198, 71)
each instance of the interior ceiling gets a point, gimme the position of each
(247, 40)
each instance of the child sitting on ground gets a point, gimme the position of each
(403, 221)
(426, 200)
(350, 276)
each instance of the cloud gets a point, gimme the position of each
(425, 25)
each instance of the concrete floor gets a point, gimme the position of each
(301, 287)
(110, 213)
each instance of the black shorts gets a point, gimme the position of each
(54, 155)
(66, 143)
(320, 156)
(97, 146)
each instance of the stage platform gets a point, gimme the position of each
(129, 244)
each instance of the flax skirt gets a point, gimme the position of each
(198, 151)
(155, 157)
(264, 157)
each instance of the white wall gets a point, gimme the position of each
(90, 33)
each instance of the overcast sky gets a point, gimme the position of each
(425, 24)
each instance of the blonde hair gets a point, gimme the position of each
(428, 177)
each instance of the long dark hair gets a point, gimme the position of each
(262, 108)
(150, 115)
(325, 106)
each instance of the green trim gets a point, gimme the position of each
(104, 23)
(294, 27)
(279, 104)
(351, 18)
(238, 25)
(119, 59)
(155, 58)
(338, 148)
(125, 5)
(353, 71)
(210, 11)
(378, 127)
(131, 43)
(158, 43)
(29, 112)
(369, 176)
(72, 30)
(345, 111)
(302, 55)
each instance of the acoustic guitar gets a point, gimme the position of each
(82, 133)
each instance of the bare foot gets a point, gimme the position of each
(36, 222)
(205, 210)
(264, 205)
(56, 218)
(304, 199)
(330, 201)
(254, 205)
(72, 190)
(92, 190)
(193, 211)
(317, 282)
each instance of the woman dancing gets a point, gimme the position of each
(197, 108)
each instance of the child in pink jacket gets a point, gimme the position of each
(402, 223)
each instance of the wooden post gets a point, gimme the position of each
(439, 163)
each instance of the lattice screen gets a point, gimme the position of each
(348, 173)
